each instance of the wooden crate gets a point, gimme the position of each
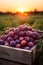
(20, 55)
(40, 33)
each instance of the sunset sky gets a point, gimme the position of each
(16, 5)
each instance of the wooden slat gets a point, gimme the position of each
(14, 54)
(19, 55)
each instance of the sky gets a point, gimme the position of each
(15, 5)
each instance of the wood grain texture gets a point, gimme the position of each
(18, 55)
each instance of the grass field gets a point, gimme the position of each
(7, 21)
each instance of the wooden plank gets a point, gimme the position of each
(6, 62)
(34, 52)
(17, 55)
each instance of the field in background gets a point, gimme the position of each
(8, 21)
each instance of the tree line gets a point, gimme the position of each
(35, 12)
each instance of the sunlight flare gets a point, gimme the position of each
(22, 10)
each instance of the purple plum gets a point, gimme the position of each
(21, 28)
(28, 33)
(2, 37)
(30, 44)
(21, 38)
(11, 33)
(23, 43)
(18, 45)
(1, 42)
(9, 39)
(16, 30)
(25, 27)
(31, 39)
(35, 35)
(17, 41)
(26, 38)
(21, 33)
(27, 48)
(6, 44)
(30, 28)
(15, 37)
(12, 43)
(5, 37)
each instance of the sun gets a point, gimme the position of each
(22, 10)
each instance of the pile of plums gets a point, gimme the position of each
(23, 37)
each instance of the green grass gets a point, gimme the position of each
(7, 21)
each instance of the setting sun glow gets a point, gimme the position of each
(22, 10)
(21, 5)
